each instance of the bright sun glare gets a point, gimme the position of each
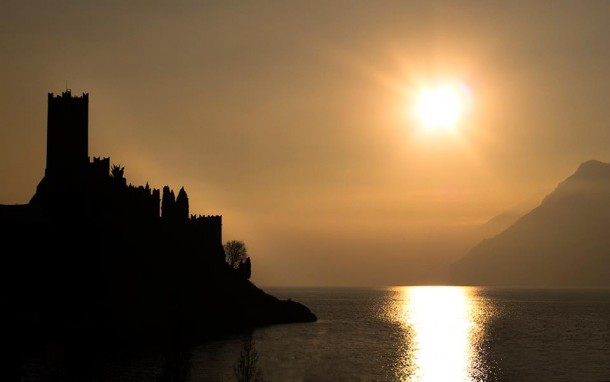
(442, 106)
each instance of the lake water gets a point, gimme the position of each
(439, 334)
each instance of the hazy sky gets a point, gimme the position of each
(290, 118)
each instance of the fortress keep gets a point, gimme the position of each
(77, 187)
(67, 134)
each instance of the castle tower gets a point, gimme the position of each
(67, 134)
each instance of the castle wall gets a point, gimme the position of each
(99, 168)
(210, 227)
(75, 187)
(138, 204)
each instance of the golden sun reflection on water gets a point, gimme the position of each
(442, 331)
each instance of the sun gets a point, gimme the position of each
(441, 106)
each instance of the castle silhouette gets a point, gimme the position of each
(91, 257)
(74, 185)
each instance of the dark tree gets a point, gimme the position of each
(245, 268)
(182, 205)
(117, 171)
(246, 369)
(168, 204)
(235, 252)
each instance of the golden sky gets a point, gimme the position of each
(290, 118)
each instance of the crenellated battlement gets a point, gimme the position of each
(67, 134)
(206, 217)
(99, 167)
(68, 95)
(210, 225)
(72, 177)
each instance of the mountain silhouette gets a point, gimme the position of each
(505, 219)
(564, 242)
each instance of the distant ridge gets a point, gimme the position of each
(564, 242)
(505, 219)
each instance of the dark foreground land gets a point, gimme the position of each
(120, 285)
(92, 261)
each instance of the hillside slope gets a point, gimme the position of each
(565, 241)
